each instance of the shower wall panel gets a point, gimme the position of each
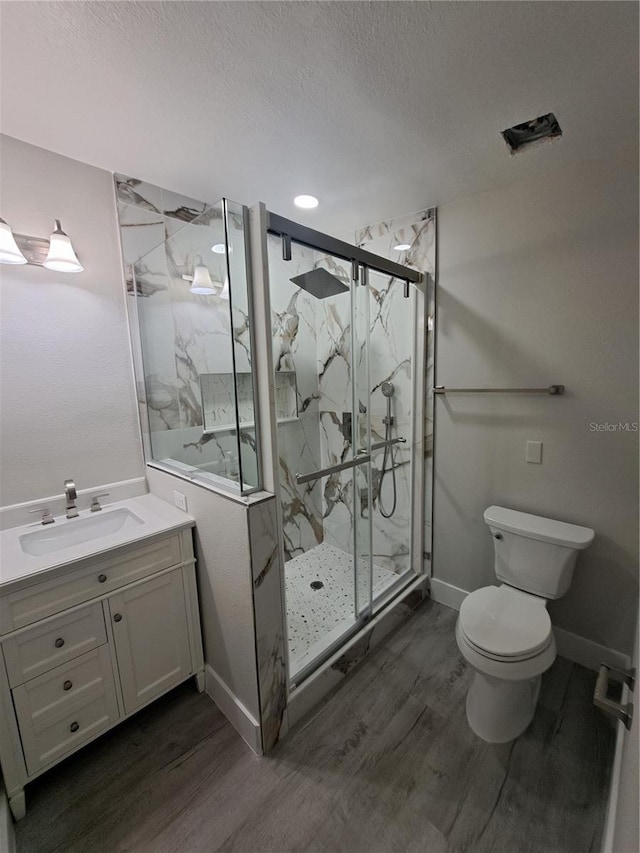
(293, 318)
(418, 231)
(391, 354)
(181, 335)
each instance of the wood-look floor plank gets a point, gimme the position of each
(387, 763)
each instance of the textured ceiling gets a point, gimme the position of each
(377, 108)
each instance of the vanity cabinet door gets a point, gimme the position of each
(151, 636)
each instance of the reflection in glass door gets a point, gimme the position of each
(344, 482)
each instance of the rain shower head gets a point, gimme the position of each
(320, 283)
(387, 389)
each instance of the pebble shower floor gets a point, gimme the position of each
(317, 614)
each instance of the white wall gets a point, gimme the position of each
(622, 831)
(224, 583)
(68, 404)
(538, 284)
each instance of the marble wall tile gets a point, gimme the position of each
(387, 324)
(389, 329)
(138, 193)
(183, 335)
(394, 325)
(141, 230)
(219, 393)
(268, 579)
(181, 207)
(295, 351)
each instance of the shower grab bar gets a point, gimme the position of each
(553, 390)
(342, 466)
(381, 444)
(362, 457)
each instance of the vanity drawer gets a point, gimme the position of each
(58, 693)
(36, 602)
(51, 732)
(44, 647)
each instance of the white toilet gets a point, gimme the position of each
(505, 632)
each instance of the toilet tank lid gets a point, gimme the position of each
(537, 527)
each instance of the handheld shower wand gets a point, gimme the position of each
(388, 391)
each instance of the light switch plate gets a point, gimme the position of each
(180, 501)
(534, 452)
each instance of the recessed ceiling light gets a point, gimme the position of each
(306, 201)
(218, 248)
(402, 247)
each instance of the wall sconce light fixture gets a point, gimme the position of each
(201, 280)
(56, 253)
(9, 251)
(61, 256)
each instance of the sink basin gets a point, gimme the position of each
(75, 531)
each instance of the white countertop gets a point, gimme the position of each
(16, 567)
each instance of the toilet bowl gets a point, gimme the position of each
(506, 636)
(504, 631)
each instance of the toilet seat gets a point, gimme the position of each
(505, 624)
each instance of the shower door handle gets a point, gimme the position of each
(381, 444)
(324, 472)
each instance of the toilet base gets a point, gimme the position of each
(499, 711)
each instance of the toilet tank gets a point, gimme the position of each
(533, 553)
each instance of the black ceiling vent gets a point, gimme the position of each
(543, 127)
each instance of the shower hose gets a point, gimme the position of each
(388, 455)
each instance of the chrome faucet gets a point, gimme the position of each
(70, 498)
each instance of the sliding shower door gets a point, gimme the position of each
(392, 387)
(319, 377)
(344, 462)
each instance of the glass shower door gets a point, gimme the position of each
(363, 495)
(343, 340)
(319, 323)
(392, 311)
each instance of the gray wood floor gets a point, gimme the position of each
(386, 764)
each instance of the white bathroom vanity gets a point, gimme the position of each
(98, 617)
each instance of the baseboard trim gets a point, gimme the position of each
(586, 652)
(447, 593)
(570, 646)
(240, 718)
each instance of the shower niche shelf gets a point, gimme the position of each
(218, 392)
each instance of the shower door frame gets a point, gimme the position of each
(263, 222)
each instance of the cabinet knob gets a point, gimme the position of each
(67, 685)
(74, 726)
(497, 535)
(117, 617)
(102, 578)
(59, 643)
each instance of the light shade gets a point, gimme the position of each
(224, 293)
(218, 248)
(202, 281)
(61, 257)
(402, 247)
(9, 251)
